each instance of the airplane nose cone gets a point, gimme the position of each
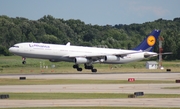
(11, 50)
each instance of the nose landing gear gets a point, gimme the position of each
(24, 60)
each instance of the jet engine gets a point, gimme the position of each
(81, 60)
(112, 58)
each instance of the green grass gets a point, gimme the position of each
(42, 96)
(7, 81)
(39, 96)
(13, 65)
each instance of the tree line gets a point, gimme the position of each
(59, 31)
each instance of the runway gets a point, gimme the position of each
(96, 88)
(101, 76)
(137, 102)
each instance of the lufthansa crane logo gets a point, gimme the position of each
(151, 40)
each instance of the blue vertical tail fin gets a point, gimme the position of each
(148, 43)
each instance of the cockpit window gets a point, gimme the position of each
(16, 46)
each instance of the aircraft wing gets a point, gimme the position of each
(122, 54)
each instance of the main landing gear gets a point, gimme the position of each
(24, 60)
(90, 67)
(76, 66)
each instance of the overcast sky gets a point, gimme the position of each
(100, 12)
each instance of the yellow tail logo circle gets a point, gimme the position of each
(151, 40)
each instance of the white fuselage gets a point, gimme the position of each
(68, 53)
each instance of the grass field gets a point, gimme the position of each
(43, 96)
(4, 81)
(13, 65)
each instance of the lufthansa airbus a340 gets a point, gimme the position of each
(86, 55)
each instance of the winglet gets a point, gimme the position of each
(148, 43)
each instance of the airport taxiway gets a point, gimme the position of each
(126, 102)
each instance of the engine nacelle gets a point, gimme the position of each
(54, 60)
(81, 60)
(112, 58)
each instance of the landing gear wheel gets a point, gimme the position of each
(94, 70)
(79, 69)
(23, 62)
(88, 66)
(75, 66)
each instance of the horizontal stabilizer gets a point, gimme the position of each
(166, 53)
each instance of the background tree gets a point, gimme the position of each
(59, 31)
